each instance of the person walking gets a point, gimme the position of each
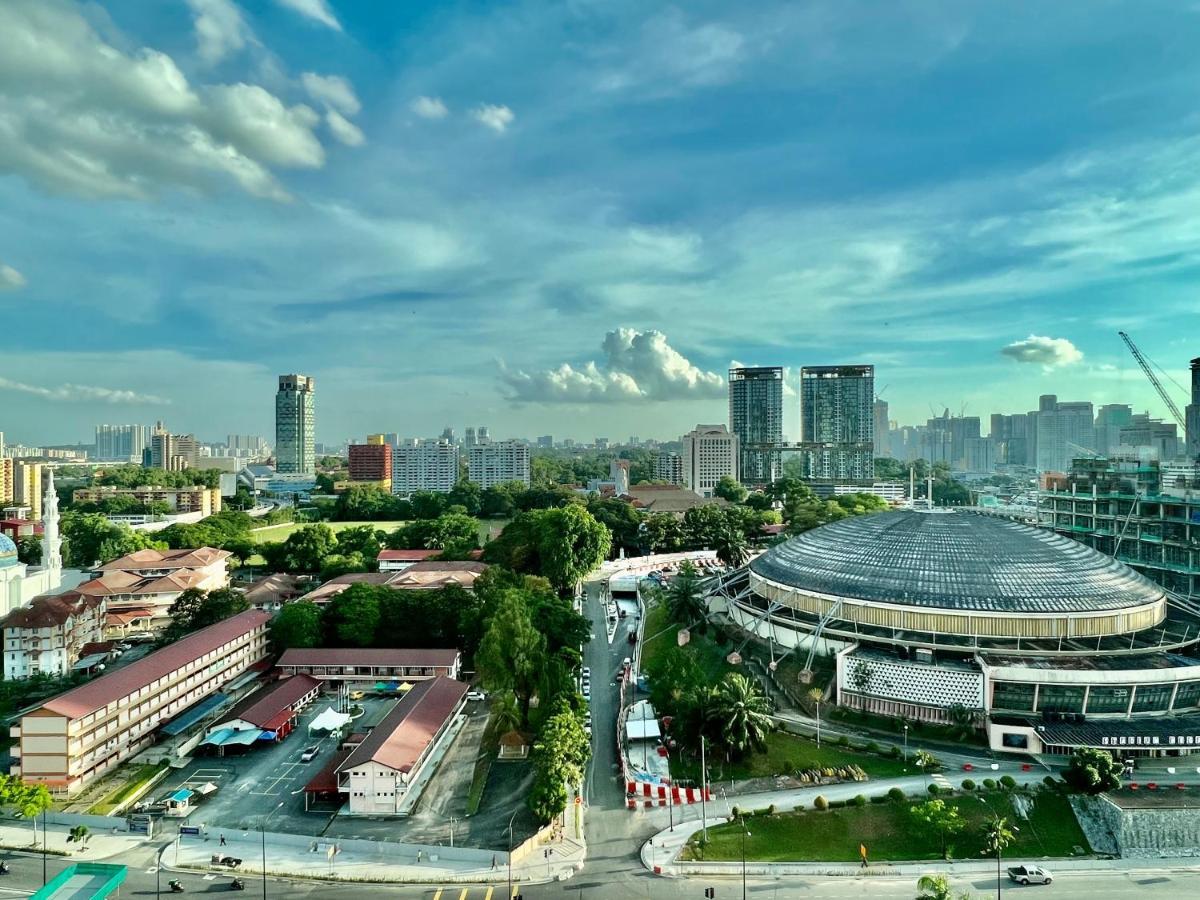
(493, 862)
(222, 840)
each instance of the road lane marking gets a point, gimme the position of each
(437, 895)
(488, 895)
(463, 895)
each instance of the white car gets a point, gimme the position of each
(586, 690)
(309, 754)
(587, 673)
(476, 695)
(1030, 875)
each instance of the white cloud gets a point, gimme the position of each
(79, 115)
(334, 91)
(220, 29)
(1048, 352)
(672, 53)
(343, 129)
(10, 278)
(497, 118)
(638, 365)
(317, 10)
(429, 108)
(83, 393)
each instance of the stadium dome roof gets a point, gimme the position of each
(959, 561)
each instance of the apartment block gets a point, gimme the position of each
(46, 637)
(27, 486)
(756, 417)
(197, 499)
(425, 465)
(372, 463)
(494, 462)
(668, 468)
(837, 412)
(295, 426)
(70, 740)
(121, 443)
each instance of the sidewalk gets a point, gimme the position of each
(371, 861)
(99, 844)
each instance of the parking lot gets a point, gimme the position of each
(266, 783)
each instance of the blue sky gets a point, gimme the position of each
(572, 217)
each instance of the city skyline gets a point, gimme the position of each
(423, 206)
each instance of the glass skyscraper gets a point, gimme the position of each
(295, 451)
(756, 417)
(837, 410)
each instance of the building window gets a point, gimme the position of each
(1061, 698)
(1188, 695)
(1108, 699)
(1152, 698)
(1012, 695)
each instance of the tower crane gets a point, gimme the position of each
(1142, 361)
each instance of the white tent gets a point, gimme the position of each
(328, 720)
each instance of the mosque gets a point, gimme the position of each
(20, 583)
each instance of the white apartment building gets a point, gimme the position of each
(710, 452)
(425, 465)
(668, 468)
(495, 462)
(71, 740)
(46, 637)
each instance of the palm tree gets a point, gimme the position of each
(816, 695)
(731, 547)
(744, 714)
(998, 834)
(933, 887)
(685, 599)
(506, 712)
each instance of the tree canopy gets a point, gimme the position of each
(195, 609)
(1093, 771)
(562, 544)
(90, 538)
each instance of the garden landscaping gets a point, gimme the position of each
(890, 832)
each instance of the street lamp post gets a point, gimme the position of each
(906, 746)
(452, 821)
(510, 852)
(263, 830)
(745, 834)
(43, 846)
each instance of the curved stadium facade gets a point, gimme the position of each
(1052, 644)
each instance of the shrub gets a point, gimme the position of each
(819, 802)
(837, 804)
(860, 800)
(968, 784)
(843, 741)
(1050, 782)
(1008, 782)
(896, 795)
(872, 747)
(880, 798)
(897, 752)
(735, 812)
(934, 790)
(799, 807)
(771, 810)
(989, 783)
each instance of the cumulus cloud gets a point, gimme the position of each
(10, 278)
(497, 118)
(637, 365)
(316, 10)
(83, 393)
(343, 129)
(1048, 352)
(429, 108)
(80, 115)
(220, 29)
(334, 91)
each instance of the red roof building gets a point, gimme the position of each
(74, 738)
(49, 635)
(273, 708)
(364, 666)
(379, 772)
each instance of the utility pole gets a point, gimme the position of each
(703, 791)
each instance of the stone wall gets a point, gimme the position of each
(1138, 833)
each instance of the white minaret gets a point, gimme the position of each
(51, 541)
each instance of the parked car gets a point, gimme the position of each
(356, 695)
(309, 754)
(1029, 875)
(587, 673)
(476, 695)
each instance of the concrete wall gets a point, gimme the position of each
(1139, 833)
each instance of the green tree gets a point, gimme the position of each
(937, 887)
(466, 494)
(360, 539)
(306, 548)
(662, 533)
(91, 538)
(29, 549)
(512, 652)
(505, 712)
(732, 549)
(998, 835)
(1093, 771)
(559, 755)
(729, 488)
(684, 596)
(364, 503)
(454, 533)
(940, 817)
(571, 543)
(351, 618)
(298, 624)
(194, 609)
(623, 521)
(743, 713)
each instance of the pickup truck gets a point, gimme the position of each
(1029, 875)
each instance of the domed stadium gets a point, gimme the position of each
(928, 615)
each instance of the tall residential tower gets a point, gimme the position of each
(756, 417)
(295, 452)
(837, 409)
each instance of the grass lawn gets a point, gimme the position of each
(661, 634)
(282, 531)
(787, 754)
(889, 832)
(137, 778)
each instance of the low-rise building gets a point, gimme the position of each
(669, 498)
(378, 774)
(272, 591)
(194, 499)
(141, 586)
(399, 560)
(436, 573)
(272, 710)
(47, 636)
(363, 667)
(70, 740)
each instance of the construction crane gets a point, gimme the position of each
(1144, 363)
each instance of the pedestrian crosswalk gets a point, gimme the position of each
(476, 892)
(940, 780)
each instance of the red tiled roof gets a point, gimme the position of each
(125, 616)
(326, 781)
(166, 559)
(367, 656)
(263, 707)
(437, 565)
(99, 692)
(46, 612)
(125, 582)
(406, 555)
(404, 734)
